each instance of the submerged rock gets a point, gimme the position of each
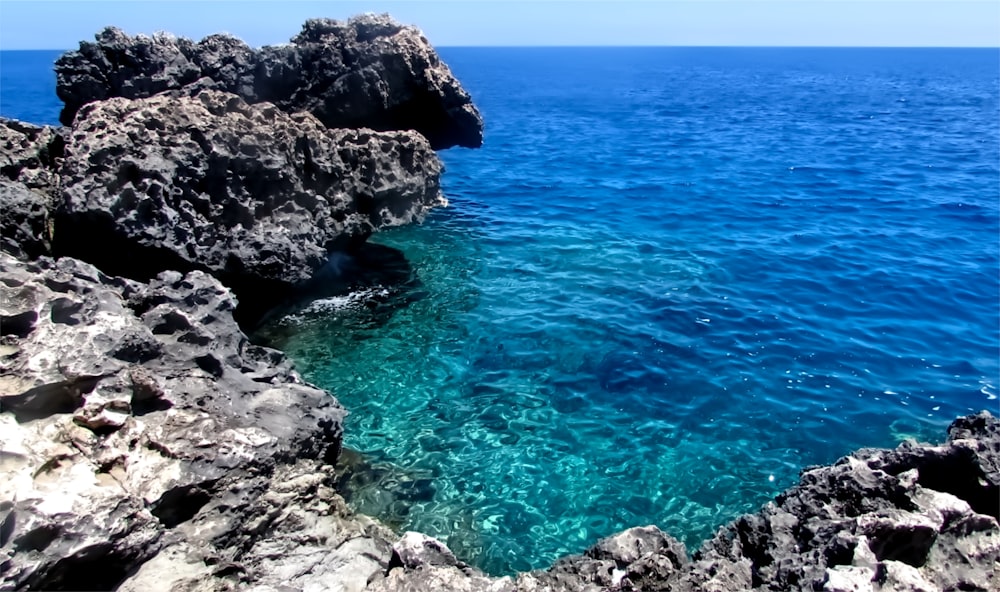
(248, 193)
(146, 444)
(367, 72)
(919, 517)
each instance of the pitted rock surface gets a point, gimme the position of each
(30, 157)
(367, 72)
(245, 192)
(135, 416)
(31, 154)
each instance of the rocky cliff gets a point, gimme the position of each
(255, 166)
(131, 410)
(255, 196)
(141, 430)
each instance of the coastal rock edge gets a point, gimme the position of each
(369, 71)
(148, 445)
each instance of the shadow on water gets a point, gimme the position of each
(372, 281)
(379, 488)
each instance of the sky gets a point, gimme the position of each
(61, 24)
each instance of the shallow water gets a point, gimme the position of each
(669, 280)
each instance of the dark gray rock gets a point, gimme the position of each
(920, 516)
(640, 558)
(24, 221)
(367, 72)
(248, 193)
(30, 157)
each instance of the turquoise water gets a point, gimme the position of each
(669, 280)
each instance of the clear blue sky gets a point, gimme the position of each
(53, 24)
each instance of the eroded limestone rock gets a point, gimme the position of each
(245, 192)
(367, 72)
(30, 157)
(138, 416)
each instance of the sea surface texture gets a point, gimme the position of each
(669, 280)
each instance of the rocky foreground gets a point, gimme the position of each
(146, 444)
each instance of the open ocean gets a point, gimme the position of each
(670, 279)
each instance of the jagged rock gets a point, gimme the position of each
(24, 221)
(917, 517)
(146, 443)
(29, 183)
(367, 72)
(420, 563)
(640, 558)
(178, 419)
(255, 196)
(296, 535)
(416, 549)
(31, 155)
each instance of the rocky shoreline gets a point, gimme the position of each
(149, 445)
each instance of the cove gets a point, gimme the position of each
(670, 280)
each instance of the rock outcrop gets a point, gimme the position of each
(367, 72)
(30, 157)
(138, 418)
(248, 193)
(143, 437)
(919, 517)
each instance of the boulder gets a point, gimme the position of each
(367, 72)
(420, 562)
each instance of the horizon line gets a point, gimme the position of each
(627, 46)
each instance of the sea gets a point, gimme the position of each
(669, 280)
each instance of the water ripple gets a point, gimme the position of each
(670, 280)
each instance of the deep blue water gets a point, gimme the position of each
(669, 280)
(28, 86)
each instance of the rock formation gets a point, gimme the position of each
(130, 409)
(248, 193)
(253, 165)
(141, 432)
(368, 72)
(29, 186)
